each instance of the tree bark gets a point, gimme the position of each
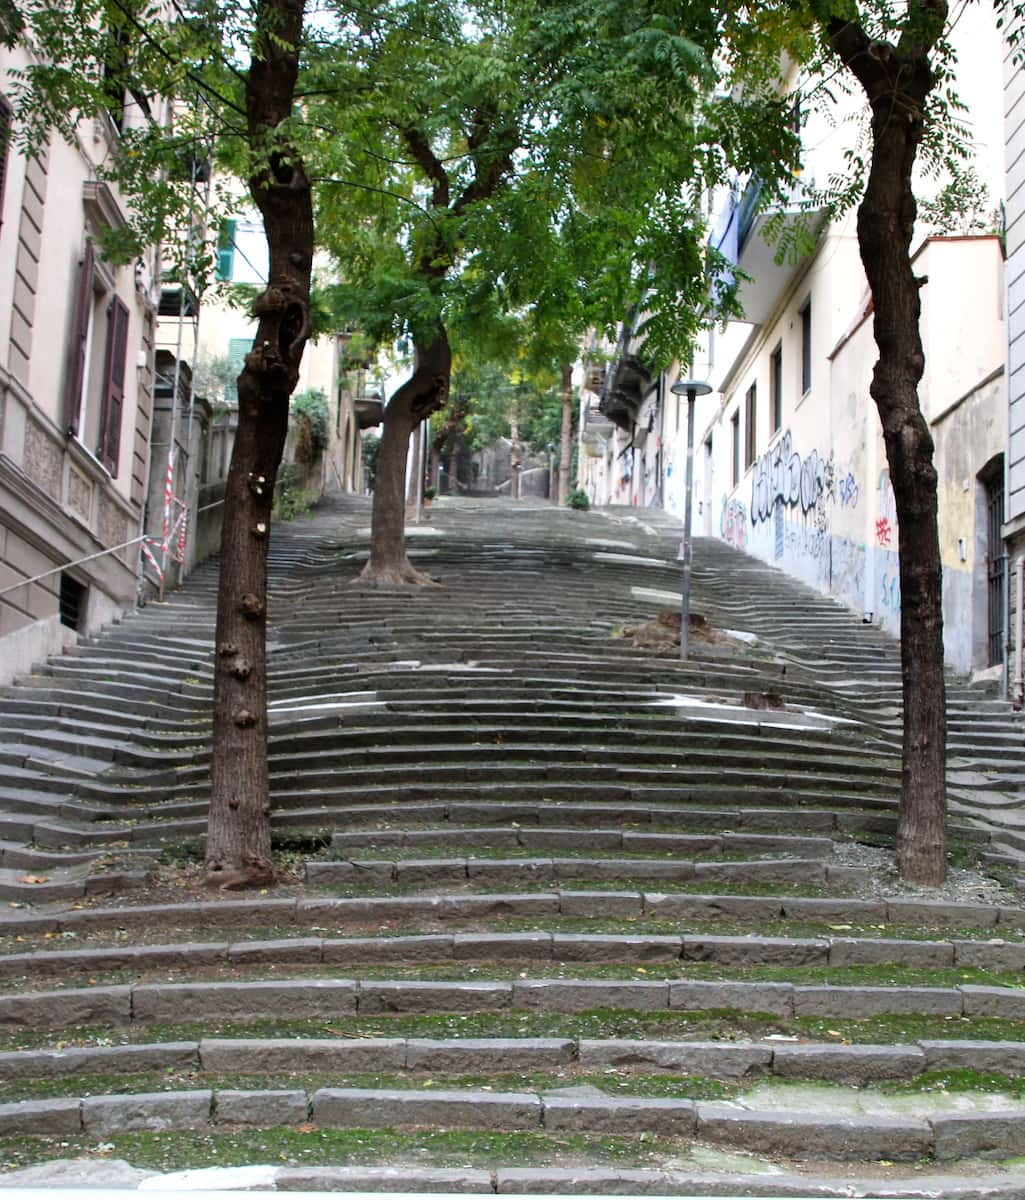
(565, 447)
(421, 395)
(238, 851)
(897, 81)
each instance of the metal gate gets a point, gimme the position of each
(995, 565)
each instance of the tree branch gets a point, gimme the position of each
(429, 162)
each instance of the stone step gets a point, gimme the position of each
(520, 872)
(855, 1065)
(740, 951)
(587, 840)
(337, 912)
(937, 1136)
(312, 998)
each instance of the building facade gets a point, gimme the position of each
(788, 457)
(76, 389)
(1014, 131)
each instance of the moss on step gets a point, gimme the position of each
(180, 1149)
(613, 1082)
(719, 1025)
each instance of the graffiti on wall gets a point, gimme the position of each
(848, 491)
(886, 507)
(782, 476)
(733, 523)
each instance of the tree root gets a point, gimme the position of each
(237, 879)
(395, 575)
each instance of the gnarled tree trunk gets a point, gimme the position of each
(565, 447)
(422, 394)
(238, 851)
(897, 81)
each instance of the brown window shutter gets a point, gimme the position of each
(79, 340)
(109, 447)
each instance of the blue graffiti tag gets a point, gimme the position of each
(849, 492)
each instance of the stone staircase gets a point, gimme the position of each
(556, 913)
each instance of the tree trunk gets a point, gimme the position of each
(565, 446)
(422, 394)
(238, 851)
(898, 82)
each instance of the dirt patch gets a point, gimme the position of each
(663, 631)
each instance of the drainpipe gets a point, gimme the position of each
(1018, 699)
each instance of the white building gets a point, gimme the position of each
(789, 462)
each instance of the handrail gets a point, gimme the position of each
(13, 587)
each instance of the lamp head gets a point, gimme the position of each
(691, 387)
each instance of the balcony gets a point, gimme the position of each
(627, 382)
(369, 411)
(739, 236)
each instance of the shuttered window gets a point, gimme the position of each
(79, 343)
(109, 448)
(226, 251)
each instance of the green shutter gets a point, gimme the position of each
(226, 251)
(238, 348)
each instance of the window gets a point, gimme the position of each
(238, 348)
(95, 392)
(750, 416)
(776, 390)
(806, 348)
(71, 601)
(735, 428)
(226, 252)
(5, 134)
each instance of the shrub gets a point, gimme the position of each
(312, 424)
(578, 499)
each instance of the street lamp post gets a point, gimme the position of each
(691, 388)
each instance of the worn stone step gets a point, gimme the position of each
(856, 1065)
(307, 998)
(793, 1134)
(517, 872)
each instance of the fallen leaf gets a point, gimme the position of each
(34, 879)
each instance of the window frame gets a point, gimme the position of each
(776, 389)
(806, 356)
(735, 426)
(750, 425)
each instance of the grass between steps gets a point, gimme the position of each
(180, 1149)
(632, 926)
(611, 1081)
(885, 975)
(711, 1025)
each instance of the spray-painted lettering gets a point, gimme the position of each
(781, 476)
